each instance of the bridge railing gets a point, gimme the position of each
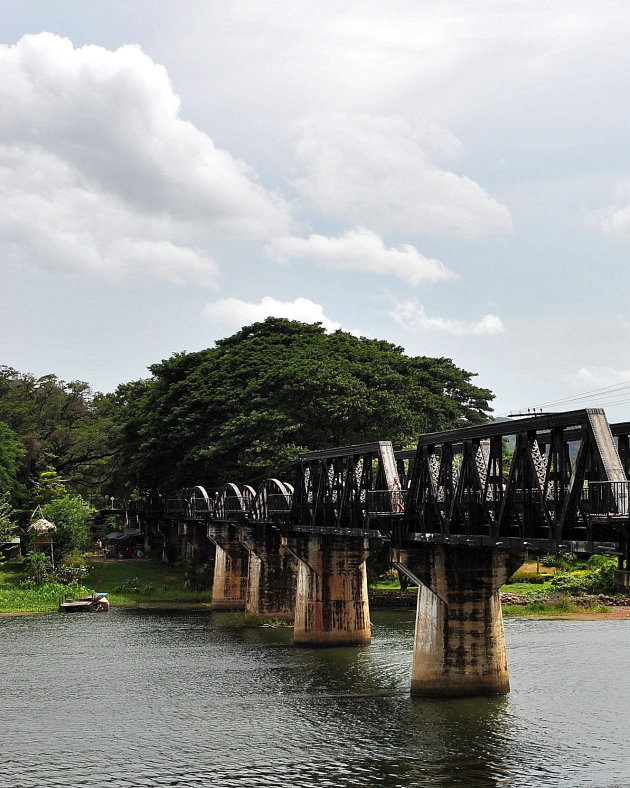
(176, 506)
(386, 502)
(200, 507)
(607, 498)
(278, 503)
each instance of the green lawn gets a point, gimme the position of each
(126, 582)
(18, 596)
(131, 581)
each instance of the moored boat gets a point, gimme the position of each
(88, 604)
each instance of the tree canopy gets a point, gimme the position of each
(50, 426)
(245, 408)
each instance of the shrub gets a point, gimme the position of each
(72, 569)
(600, 561)
(563, 561)
(37, 566)
(134, 586)
(72, 516)
(596, 581)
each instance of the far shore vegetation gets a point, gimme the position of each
(549, 586)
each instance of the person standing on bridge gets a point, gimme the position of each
(397, 502)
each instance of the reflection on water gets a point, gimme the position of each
(137, 698)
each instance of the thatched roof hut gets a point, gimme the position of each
(42, 526)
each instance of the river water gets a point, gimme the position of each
(146, 698)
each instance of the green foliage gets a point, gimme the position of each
(564, 561)
(245, 408)
(133, 585)
(528, 577)
(7, 521)
(73, 517)
(18, 597)
(596, 581)
(37, 566)
(110, 524)
(47, 424)
(49, 488)
(11, 455)
(597, 561)
(134, 582)
(378, 566)
(72, 569)
(528, 590)
(556, 607)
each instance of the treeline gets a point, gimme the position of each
(239, 411)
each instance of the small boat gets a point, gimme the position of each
(87, 604)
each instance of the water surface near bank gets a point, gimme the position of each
(153, 698)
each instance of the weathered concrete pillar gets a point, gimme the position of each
(459, 647)
(272, 572)
(331, 605)
(229, 586)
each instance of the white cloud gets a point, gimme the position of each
(361, 249)
(92, 149)
(604, 377)
(413, 315)
(377, 170)
(614, 220)
(232, 313)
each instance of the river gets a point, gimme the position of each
(146, 698)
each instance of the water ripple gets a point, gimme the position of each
(144, 699)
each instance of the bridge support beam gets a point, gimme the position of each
(331, 605)
(229, 587)
(272, 572)
(459, 647)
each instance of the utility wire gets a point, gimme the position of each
(608, 394)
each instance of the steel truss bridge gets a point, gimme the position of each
(545, 483)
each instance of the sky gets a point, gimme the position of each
(450, 176)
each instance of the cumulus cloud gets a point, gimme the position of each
(413, 315)
(377, 170)
(361, 249)
(92, 148)
(233, 313)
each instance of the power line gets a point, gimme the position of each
(606, 393)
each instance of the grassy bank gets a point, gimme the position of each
(17, 595)
(127, 583)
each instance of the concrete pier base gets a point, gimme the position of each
(459, 647)
(272, 573)
(331, 605)
(229, 587)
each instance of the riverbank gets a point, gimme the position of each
(149, 584)
(585, 608)
(127, 582)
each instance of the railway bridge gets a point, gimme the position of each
(459, 513)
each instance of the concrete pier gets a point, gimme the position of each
(272, 572)
(459, 647)
(331, 605)
(229, 587)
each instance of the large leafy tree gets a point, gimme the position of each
(11, 461)
(57, 426)
(245, 408)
